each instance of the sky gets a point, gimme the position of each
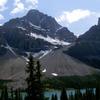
(77, 15)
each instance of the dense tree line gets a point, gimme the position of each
(35, 88)
(10, 94)
(89, 94)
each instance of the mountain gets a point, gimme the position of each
(53, 63)
(34, 32)
(64, 65)
(40, 35)
(87, 46)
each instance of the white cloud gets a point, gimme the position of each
(32, 3)
(1, 17)
(21, 6)
(2, 4)
(73, 16)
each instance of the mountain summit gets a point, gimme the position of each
(34, 32)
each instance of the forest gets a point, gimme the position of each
(36, 88)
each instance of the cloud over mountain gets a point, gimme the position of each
(2, 5)
(75, 15)
(21, 6)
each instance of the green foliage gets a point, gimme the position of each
(63, 95)
(88, 52)
(4, 94)
(34, 84)
(89, 81)
(54, 97)
(88, 94)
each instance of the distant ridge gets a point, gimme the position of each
(87, 47)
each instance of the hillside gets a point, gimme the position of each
(60, 65)
(87, 47)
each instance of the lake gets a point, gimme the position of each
(58, 92)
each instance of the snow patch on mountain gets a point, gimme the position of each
(59, 29)
(44, 70)
(49, 39)
(41, 54)
(36, 27)
(38, 55)
(25, 58)
(21, 28)
(45, 53)
(9, 48)
(54, 74)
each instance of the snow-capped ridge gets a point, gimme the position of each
(49, 39)
(36, 27)
(21, 28)
(45, 53)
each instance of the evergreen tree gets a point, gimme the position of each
(31, 92)
(39, 86)
(16, 95)
(71, 97)
(56, 97)
(34, 85)
(97, 93)
(78, 95)
(6, 93)
(2, 95)
(63, 95)
(53, 97)
(12, 94)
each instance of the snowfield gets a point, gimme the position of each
(49, 39)
(24, 29)
(36, 27)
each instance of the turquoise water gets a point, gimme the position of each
(49, 93)
(58, 92)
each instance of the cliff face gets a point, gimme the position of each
(34, 32)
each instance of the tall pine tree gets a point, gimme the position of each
(34, 85)
(63, 95)
(39, 86)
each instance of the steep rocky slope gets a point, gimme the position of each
(87, 47)
(34, 32)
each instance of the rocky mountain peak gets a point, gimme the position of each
(43, 20)
(34, 32)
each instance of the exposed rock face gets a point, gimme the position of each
(17, 32)
(55, 62)
(64, 32)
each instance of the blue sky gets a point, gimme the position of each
(77, 15)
